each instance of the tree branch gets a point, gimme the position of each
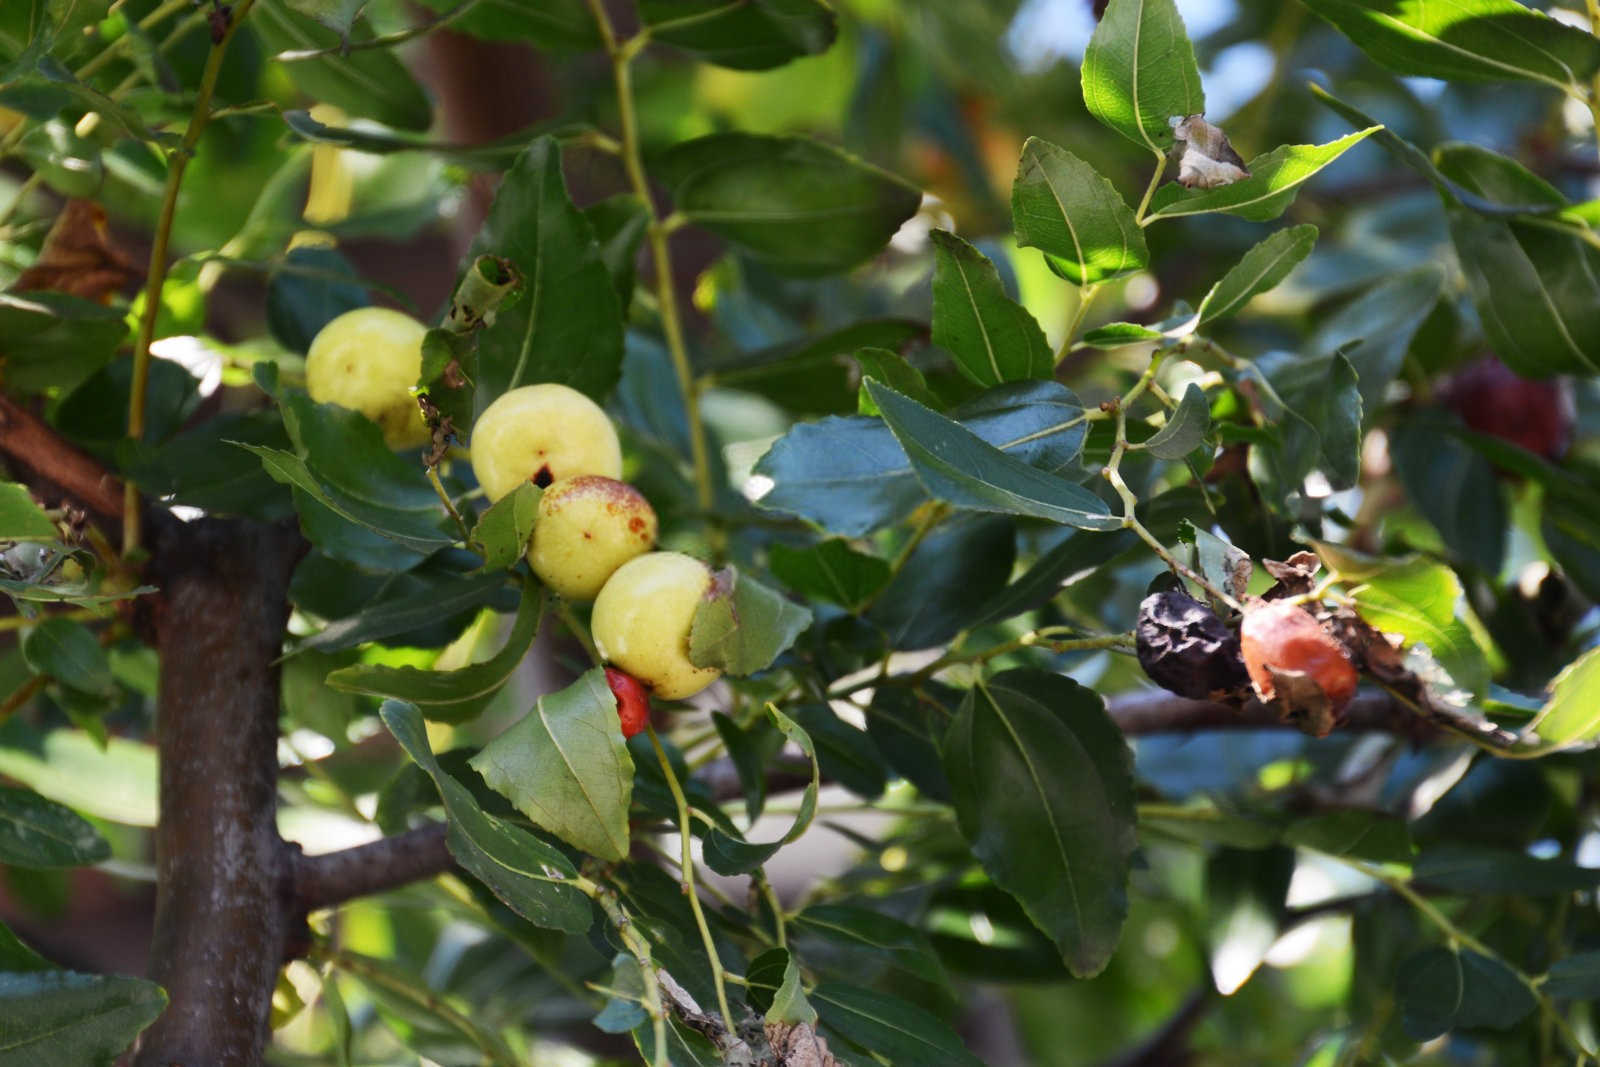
(335, 877)
(34, 447)
(1156, 711)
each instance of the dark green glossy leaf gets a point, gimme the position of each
(21, 518)
(845, 754)
(753, 35)
(35, 832)
(494, 155)
(797, 204)
(1070, 212)
(409, 610)
(1043, 787)
(450, 696)
(831, 571)
(1262, 268)
(1186, 427)
(566, 324)
(789, 1003)
(619, 223)
(55, 341)
(957, 466)
(1455, 488)
(370, 82)
(948, 578)
(523, 871)
(68, 652)
(870, 938)
(1475, 40)
(742, 625)
(501, 535)
(727, 855)
(766, 976)
(1442, 989)
(815, 374)
(993, 338)
(901, 1032)
(1468, 869)
(1367, 835)
(565, 766)
(895, 371)
(1139, 71)
(1274, 182)
(1577, 977)
(199, 467)
(624, 1010)
(749, 748)
(301, 302)
(1375, 330)
(907, 724)
(62, 1019)
(16, 957)
(1117, 334)
(1079, 552)
(850, 476)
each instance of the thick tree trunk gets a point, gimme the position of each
(223, 907)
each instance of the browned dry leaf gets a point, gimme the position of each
(79, 257)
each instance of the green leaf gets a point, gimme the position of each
(16, 957)
(524, 872)
(1443, 989)
(68, 652)
(1471, 869)
(501, 535)
(1275, 180)
(35, 832)
(993, 338)
(831, 571)
(814, 375)
(850, 476)
(893, 1028)
(749, 747)
(1577, 977)
(1417, 599)
(1375, 330)
(369, 82)
(20, 518)
(200, 468)
(55, 341)
(496, 155)
(1139, 71)
(752, 35)
(566, 326)
(1467, 40)
(1263, 267)
(1455, 489)
(1070, 212)
(727, 855)
(1537, 291)
(450, 696)
(1367, 835)
(406, 611)
(318, 286)
(1244, 895)
(951, 575)
(1043, 786)
(846, 754)
(620, 224)
(624, 1008)
(868, 938)
(789, 1004)
(554, 25)
(113, 780)
(62, 1019)
(799, 205)
(1077, 553)
(895, 371)
(1572, 714)
(741, 626)
(1186, 428)
(1117, 334)
(565, 766)
(765, 976)
(957, 466)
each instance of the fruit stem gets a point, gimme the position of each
(687, 863)
(622, 53)
(578, 630)
(636, 944)
(156, 277)
(438, 487)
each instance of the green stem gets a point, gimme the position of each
(388, 40)
(640, 948)
(686, 839)
(1086, 297)
(1593, 95)
(425, 999)
(157, 276)
(115, 48)
(1150, 190)
(622, 54)
(438, 487)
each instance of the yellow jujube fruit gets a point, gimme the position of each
(588, 526)
(542, 434)
(367, 360)
(642, 617)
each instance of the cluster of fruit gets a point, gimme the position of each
(594, 533)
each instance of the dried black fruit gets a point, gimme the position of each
(1185, 648)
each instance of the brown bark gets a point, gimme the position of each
(335, 877)
(223, 873)
(53, 467)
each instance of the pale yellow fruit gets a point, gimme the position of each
(642, 617)
(542, 434)
(588, 526)
(367, 360)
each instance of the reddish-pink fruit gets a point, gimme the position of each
(1278, 639)
(633, 700)
(1492, 400)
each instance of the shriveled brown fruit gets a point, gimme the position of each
(1186, 649)
(1297, 664)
